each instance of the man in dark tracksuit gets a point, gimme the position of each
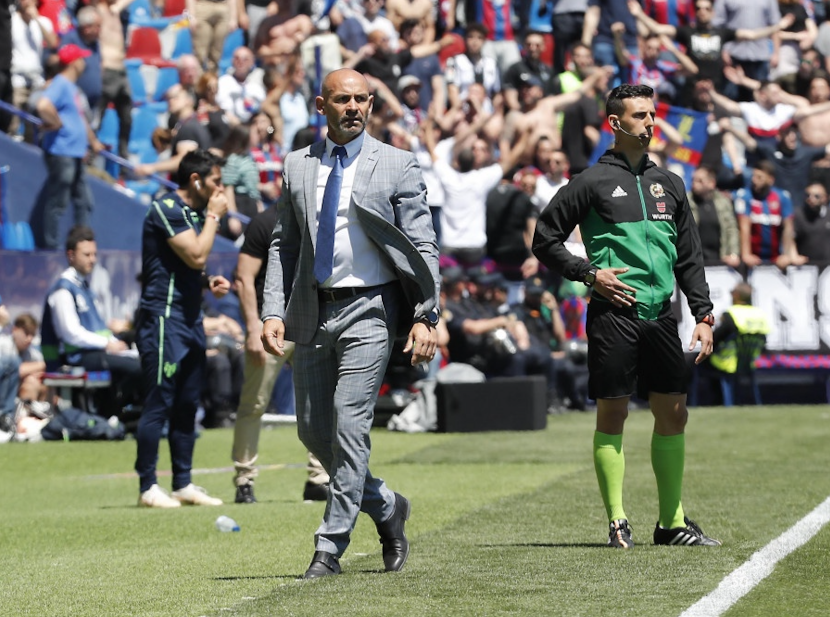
(178, 235)
(640, 236)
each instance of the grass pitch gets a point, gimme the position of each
(502, 524)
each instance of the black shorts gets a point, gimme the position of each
(628, 355)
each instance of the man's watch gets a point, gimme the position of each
(590, 278)
(708, 319)
(430, 319)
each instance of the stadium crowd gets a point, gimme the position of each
(502, 102)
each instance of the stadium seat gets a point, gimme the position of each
(167, 77)
(547, 53)
(13, 236)
(455, 48)
(184, 43)
(141, 15)
(136, 79)
(173, 8)
(145, 186)
(144, 123)
(108, 135)
(145, 45)
(232, 41)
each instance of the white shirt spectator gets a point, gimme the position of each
(546, 189)
(463, 215)
(763, 122)
(27, 50)
(462, 73)
(241, 99)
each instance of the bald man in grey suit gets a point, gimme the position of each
(344, 306)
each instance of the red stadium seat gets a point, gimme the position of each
(145, 45)
(173, 8)
(547, 52)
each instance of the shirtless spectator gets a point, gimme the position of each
(398, 11)
(540, 112)
(281, 33)
(115, 86)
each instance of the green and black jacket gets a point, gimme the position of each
(629, 218)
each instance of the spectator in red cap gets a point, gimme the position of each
(67, 137)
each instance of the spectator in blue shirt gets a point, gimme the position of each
(66, 139)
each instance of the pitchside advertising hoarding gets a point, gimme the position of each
(797, 302)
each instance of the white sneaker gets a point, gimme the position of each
(155, 497)
(192, 495)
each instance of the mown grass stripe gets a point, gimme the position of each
(743, 580)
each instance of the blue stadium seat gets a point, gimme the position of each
(141, 14)
(167, 77)
(145, 186)
(108, 135)
(144, 123)
(184, 43)
(136, 79)
(232, 41)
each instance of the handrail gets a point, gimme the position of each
(37, 122)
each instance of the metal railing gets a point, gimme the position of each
(37, 125)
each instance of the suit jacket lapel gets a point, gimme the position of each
(312, 169)
(365, 166)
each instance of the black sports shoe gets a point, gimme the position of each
(315, 492)
(690, 535)
(245, 494)
(619, 534)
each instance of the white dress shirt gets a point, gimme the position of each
(357, 261)
(65, 317)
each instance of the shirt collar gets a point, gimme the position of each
(352, 147)
(77, 278)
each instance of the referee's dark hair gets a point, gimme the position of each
(199, 162)
(79, 233)
(614, 105)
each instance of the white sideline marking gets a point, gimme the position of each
(741, 581)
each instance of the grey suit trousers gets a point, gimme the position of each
(336, 380)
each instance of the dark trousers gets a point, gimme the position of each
(173, 365)
(116, 90)
(5, 95)
(65, 181)
(567, 30)
(125, 380)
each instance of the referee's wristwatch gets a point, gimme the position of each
(708, 319)
(590, 278)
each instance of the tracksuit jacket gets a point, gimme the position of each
(634, 218)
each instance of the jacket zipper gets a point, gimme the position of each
(648, 238)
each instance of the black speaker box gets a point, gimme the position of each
(498, 404)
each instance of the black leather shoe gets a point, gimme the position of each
(315, 492)
(322, 564)
(245, 494)
(393, 536)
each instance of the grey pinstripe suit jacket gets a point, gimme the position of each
(389, 197)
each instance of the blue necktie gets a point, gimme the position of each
(324, 256)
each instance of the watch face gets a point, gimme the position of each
(590, 278)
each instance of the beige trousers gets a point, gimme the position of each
(253, 402)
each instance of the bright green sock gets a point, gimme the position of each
(668, 455)
(609, 462)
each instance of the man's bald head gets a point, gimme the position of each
(346, 103)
